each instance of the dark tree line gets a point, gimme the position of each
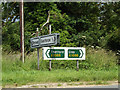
(79, 23)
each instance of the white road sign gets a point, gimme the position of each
(45, 40)
(35, 42)
(50, 39)
(63, 53)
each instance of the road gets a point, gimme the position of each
(87, 87)
(111, 84)
(106, 86)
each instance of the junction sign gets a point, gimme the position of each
(50, 39)
(63, 53)
(45, 40)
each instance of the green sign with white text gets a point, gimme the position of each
(75, 53)
(55, 53)
(63, 53)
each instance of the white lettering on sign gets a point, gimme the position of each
(35, 42)
(57, 51)
(47, 40)
(71, 51)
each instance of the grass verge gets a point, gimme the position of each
(35, 76)
(99, 66)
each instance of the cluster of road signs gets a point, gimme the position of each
(63, 53)
(57, 53)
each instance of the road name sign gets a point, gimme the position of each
(50, 39)
(63, 53)
(35, 42)
(45, 40)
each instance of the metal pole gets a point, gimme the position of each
(22, 30)
(37, 50)
(77, 65)
(49, 29)
(50, 47)
(38, 57)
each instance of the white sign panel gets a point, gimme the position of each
(35, 42)
(47, 40)
(50, 39)
(63, 53)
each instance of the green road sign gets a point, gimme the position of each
(63, 53)
(75, 53)
(55, 53)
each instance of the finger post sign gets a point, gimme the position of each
(63, 53)
(45, 40)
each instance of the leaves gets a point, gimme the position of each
(79, 23)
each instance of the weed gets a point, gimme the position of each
(59, 84)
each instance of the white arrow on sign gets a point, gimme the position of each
(47, 53)
(81, 53)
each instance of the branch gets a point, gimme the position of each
(46, 21)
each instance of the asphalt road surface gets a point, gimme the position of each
(65, 86)
(105, 86)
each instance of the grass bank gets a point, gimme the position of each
(35, 76)
(100, 65)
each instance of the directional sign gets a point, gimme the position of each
(35, 42)
(75, 53)
(50, 39)
(63, 53)
(46, 40)
(55, 53)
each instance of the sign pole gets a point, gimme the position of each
(50, 47)
(37, 50)
(22, 30)
(77, 65)
(38, 57)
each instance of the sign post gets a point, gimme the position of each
(37, 48)
(77, 65)
(38, 57)
(50, 47)
(46, 40)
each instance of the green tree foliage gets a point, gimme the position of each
(11, 37)
(10, 12)
(79, 23)
(110, 23)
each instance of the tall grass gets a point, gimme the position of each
(23, 77)
(99, 65)
(100, 59)
(95, 59)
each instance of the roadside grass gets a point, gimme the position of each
(99, 66)
(24, 77)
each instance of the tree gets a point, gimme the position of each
(86, 23)
(10, 12)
